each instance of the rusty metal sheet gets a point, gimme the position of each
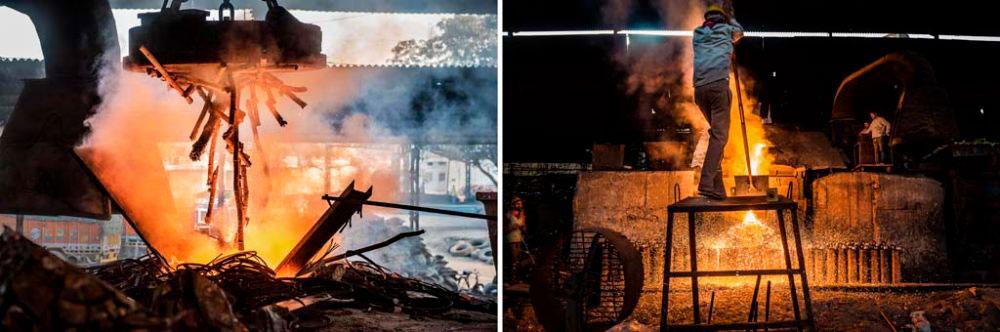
(330, 223)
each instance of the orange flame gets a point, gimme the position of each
(138, 115)
(734, 162)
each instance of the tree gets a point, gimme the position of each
(463, 40)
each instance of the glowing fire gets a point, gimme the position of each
(138, 114)
(750, 233)
(734, 162)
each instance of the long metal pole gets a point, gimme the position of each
(237, 188)
(743, 123)
(411, 208)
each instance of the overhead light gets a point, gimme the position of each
(677, 33)
(858, 34)
(760, 34)
(780, 34)
(564, 33)
(972, 38)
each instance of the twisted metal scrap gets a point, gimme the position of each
(136, 277)
(247, 278)
(378, 289)
(221, 93)
(40, 292)
(250, 286)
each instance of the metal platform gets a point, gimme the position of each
(692, 205)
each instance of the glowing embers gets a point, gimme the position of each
(750, 233)
(746, 245)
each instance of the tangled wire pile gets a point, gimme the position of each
(238, 292)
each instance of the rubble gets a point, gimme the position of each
(41, 292)
(239, 292)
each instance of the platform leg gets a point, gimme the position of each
(788, 266)
(666, 271)
(805, 279)
(694, 268)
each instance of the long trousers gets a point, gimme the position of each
(714, 100)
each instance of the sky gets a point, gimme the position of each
(349, 38)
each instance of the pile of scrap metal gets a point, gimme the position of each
(38, 291)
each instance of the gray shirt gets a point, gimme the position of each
(712, 49)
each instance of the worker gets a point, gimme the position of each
(713, 47)
(514, 225)
(879, 129)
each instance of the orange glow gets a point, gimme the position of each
(751, 233)
(138, 149)
(734, 162)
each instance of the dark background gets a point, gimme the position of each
(563, 93)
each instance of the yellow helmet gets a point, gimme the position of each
(715, 8)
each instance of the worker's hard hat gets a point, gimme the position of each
(713, 8)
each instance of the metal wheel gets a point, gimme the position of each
(589, 280)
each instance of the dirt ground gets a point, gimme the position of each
(971, 309)
(376, 321)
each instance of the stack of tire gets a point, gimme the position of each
(472, 248)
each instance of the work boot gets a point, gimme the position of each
(711, 196)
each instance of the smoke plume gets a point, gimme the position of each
(660, 69)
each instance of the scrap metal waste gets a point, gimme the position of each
(40, 292)
(223, 62)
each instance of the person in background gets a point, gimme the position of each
(713, 47)
(514, 225)
(879, 129)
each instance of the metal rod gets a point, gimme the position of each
(412, 208)
(350, 253)
(811, 318)
(237, 191)
(887, 321)
(753, 303)
(788, 265)
(666, 271)
(694, 268)
(711, 307)
(207, 107)
(743, 123)
(734, 273)
(767, 304)
(166, 75)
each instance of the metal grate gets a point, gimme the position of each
(606, 306)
